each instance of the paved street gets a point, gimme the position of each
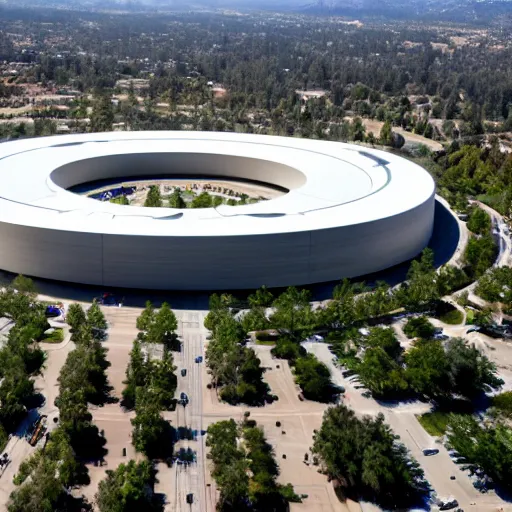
(190, 479)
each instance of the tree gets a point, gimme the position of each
(314, 378)
(357, 129)
(24, 285)
(365, 457)
(16, 390)
(480, 254)
(75, 316)
(149, 428)
(176, 200)
(381, 374)
(255, 320)
(487, 446)
(102, 117)
(386, 339)
(428, 369)
(419, 327)
(163, 381)
(96, 318)
(146, 318)
(479, 222)
(163, 328)
(43, 494)
(471, 371)
(386, 134)
(154, 198)
(128, 488)
(136, 375)
(293, 312)
(203, 200)
(262, 297)
(288, 349)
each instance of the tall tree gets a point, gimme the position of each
(154, 198)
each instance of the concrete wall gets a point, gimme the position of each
(194, 164)
(209, 263)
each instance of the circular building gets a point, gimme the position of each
(347, 211)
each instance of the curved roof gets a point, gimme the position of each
(331, 184)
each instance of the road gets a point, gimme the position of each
(402, 419)
(190, 479)
(176, 482)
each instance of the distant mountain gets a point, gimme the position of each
(441, 10)
(449, 10)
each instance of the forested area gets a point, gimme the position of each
(46, 477)
(431, 369)
(20, 356)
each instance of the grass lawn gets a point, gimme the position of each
(264, 342)
(435, 423)
(452, 317)
(56, 336)
(470, 315)
(503, 403)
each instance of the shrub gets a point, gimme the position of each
(419, 327)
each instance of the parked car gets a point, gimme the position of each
(448, 504)
(53, 311)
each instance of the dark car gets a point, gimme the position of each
(53, 311)
(448, 505)
(183, 372)
(199, 359)
(430, 451)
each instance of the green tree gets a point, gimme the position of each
(314, 379)
(146, 318)
(95, 317)
(24, 285)
(262, 297)
(428, 369)
(386, 339)
(365, 456)
(163, 329)
(292, 311)
(136, 375)
(75, 316)
(381, 374)
(176, 200)
(479, 222)
(128, 488)
(386, 134)
(419, 327)
(149, 428)
(471, 371)
(102, 117)
(203, 200)
(487, 446)
(154, 198)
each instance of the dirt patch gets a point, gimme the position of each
(375, 126)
